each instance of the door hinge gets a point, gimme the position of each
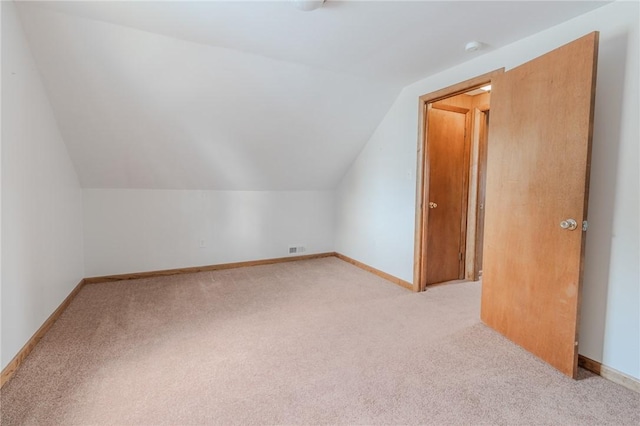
(585, 225)
(459, 256)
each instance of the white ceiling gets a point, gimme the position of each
(247, 95)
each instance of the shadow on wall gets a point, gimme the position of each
(602, 192)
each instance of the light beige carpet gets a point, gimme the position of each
(309, 342)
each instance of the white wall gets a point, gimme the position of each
(131, 230)
(376, 198)
(42, 255)
(143, 110)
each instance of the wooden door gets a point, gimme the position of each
(446, 141)
(537, 180)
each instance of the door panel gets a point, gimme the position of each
(537, 176)
(447, 146)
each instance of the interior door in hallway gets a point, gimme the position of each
(447, 153)
(536, 200)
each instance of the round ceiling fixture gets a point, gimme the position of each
(472, 46)
(308, 5)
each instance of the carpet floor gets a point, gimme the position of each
(309, 342)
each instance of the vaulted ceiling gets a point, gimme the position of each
(247, 95)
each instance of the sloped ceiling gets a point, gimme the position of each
(246, 95)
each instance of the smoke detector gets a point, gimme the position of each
(472, 46)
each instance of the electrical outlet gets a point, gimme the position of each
(202, 243)
(297, 249)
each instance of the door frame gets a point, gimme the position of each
(481, 139)
(422, 174)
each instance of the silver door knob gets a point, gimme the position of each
(432, 205)
(569, 224)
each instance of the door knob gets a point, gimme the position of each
(432, 205)
(569, 224)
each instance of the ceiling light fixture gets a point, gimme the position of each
(472, 46)
(308, 5)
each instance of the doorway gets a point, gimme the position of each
(454, 128)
